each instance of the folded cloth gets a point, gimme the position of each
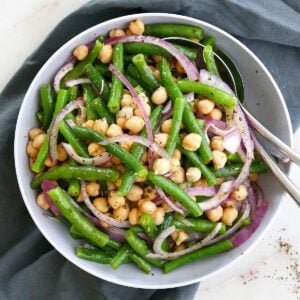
(29, 267)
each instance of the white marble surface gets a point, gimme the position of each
(271, 271)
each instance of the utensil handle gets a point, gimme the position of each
(284, 148)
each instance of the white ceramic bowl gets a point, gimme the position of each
(264, 99)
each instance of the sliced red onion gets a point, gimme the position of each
(188, 66)
(160, 238)
(169, 174)
(206, 191)
(117, 234)
(234, 228)
(77, 81)
(61, 74)
(167, 111)
(137, 99)
(215, 81)
(198, 245)
(245, 233)
(48, 185)
(102, 159)
(71, 123)
(209, 120)
(165, 198)
(144, 236)
(98, 214)
(137, 139)
(252, 196)
(219, 198)
(189, 97)
(53, 130)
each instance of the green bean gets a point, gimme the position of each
(178, 109)
(171, 30)
(80, 172)
(88, 97)
(47, 102)
(137, 151)
(197, 255)
(209, 41)
(215, 94)
(85, 227)
(94, 255)
(108, 250)
(78, 69)
(99, 106)
(40, 116)
(137, 229)
(120, 257)
(73, 92)
(128, 159)
(132, 81)
(176, 192)
(103, 188)
(189, 120)
(98, 80)
(116, 90)
(234, 157)
(209, 59)
(168, 219)
(69, 136)
(76, 235)
(103, 70)
(114, 244)
(145, 72)
(38, 165)
(62, 100)
(235, 169)
(196, 161)
(74, 187)
(150, 49)
(140, 262)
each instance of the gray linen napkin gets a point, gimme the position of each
(29, 267)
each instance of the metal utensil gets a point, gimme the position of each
(231, 75)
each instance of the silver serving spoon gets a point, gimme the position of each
(234, 79)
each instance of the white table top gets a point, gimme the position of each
(272, 270)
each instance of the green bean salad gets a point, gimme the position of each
(142, 156)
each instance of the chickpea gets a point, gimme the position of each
(193, 174)
(179, 68)
(81, 52)
(128, 32)
(216, 114)
(192, 142)
(114, 130)
(159, 96)
(38, 140)
(115, 201)
(156, 58)
(31, 151)
(121, 213)
(101, 125)
(156, 73)
(93, 188)
(62, 155)
(110, 186)
(135, 193)
(253, 177)
(106, 53)
(176, 154)
(104, 224)
(80, 119)
(133, 216)
(166, 126)
(161, 139)
(220, 180)
(126, 112)
(33, 132)
(116, 160)
(179, 236)
(161, 166)
(121, 122)
(181, 247)
(229, 203)
(140, 179)
(166, 207)
(147, 207)
(127, 100)
(89, 124)
(175, 164)
(120, 168)
(240, 193)
(205, 106)
(116, 32)
(229, 215)
(101, 204)
(135, 124)
(41, 201)
(216, 143)
(126, 145)
(50, 163)
(118, 182)
(149, 193)
(178, 176)
(201, 182)
(95, 149)
(137, 27)
(219, 159)
(145, 157)
(215, 214)
(158, 216)
(137, 112)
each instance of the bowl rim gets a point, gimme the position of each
(23, 108)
